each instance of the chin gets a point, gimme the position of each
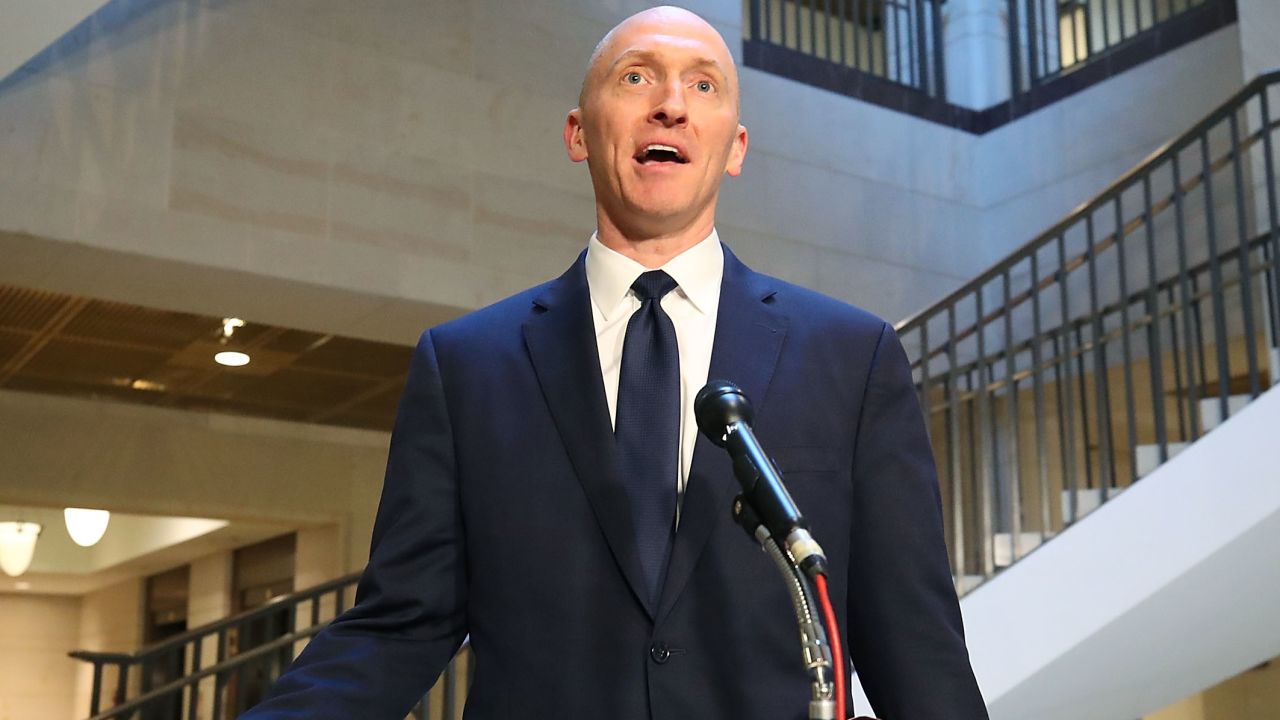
(667, 206)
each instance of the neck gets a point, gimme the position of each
(655, 247)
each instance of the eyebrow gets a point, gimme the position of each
(650, 56)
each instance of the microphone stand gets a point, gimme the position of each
(769, 515)
(813, 637)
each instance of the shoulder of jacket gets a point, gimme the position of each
(809, 307)
(496, 319)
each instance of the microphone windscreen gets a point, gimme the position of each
(718, 405)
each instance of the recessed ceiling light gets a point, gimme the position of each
(230, 358)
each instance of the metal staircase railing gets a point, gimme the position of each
(1101, 348)
(220, 680)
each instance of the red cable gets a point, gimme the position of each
(833, 637)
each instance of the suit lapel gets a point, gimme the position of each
(749, 335)
(561, 341)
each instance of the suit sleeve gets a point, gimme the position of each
(905, 633)
(381, 656)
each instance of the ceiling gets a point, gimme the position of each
(79, 346)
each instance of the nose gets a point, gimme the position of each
(670, 110)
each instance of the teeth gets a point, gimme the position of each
(655, 146)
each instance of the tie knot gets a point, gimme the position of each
(653, 285)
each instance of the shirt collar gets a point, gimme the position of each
(697, 271)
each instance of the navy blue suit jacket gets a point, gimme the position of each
(502, 516)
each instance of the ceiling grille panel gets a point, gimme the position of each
(67, 345)
(129, 324)
(25, 309)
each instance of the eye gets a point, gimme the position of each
(704, 86)
(633, 78)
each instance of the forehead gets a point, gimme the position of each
(666, 41)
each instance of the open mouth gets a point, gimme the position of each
(659, 153)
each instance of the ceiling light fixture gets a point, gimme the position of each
(86, 526)
(230, 358)
(17, 546)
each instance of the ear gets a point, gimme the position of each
(737, 153)
(574, 141)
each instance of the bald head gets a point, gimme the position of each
(665, 20)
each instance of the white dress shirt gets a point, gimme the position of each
(692, 308)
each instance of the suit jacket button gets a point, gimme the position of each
(660, 652)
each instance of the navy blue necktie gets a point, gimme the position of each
(647, 425)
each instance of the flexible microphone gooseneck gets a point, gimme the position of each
(724, 415)
(769, 515)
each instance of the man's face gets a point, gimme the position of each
(658, 125)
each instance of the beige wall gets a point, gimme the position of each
(170, 462)
(210, 589)
(1251, 695)
(209, 600)
(110, 621)
(36, 632)
(319, 556)
(1191, 708)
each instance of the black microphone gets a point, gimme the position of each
(724, 415)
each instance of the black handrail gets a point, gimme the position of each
(1109, 341)
(195, 677)
(1159, 156)
(1166, 285)
(273, 606)
(230, 668)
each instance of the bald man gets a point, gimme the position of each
(548, 494)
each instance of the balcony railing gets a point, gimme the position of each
(1104, 346)
(884, 51)
(893, 52)
(1057, 36)
(896, 40)
(218, 680)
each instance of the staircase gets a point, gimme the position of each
(1167, 589)
(1102, 352)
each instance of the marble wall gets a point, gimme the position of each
(1034, 171)
(110, 621)
(36, 631)
(371, 169)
